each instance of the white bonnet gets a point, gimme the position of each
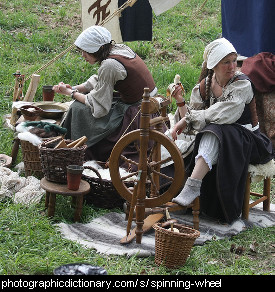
(216, 51)
(92, 38)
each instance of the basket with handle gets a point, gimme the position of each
(173, 248)
(103, 193)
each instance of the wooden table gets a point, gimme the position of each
(52, 189)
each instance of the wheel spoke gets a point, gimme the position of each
(163, 175)
(155, 189)
(149, 158)
(124, 178)
(130, 161)
(160, 162)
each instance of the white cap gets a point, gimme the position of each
(92, 38)
(216, 51)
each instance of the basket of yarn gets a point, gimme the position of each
(173, 246)
(103, 193)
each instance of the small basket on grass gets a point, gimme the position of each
(173, 248)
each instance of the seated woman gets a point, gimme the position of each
(222, 110)
(106, 105)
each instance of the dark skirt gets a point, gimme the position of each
(80, 122)
(103, 133)
(101, 151)
(222, 190)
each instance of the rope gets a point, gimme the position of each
(116, 12)
(51, 61)
(197, 12)
(103, 22)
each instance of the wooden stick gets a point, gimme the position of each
(52, 141)
(14, 116)
(32, 88)
(168, 218)
(132, 208)
(81, 142)
(61, 144)
(72, 144)
(132, 2)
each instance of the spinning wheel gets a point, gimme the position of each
(149, 175)
(151, 168)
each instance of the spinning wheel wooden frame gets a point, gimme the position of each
(148, 167)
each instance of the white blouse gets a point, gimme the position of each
(225, 109)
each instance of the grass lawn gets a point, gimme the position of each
(32, 32)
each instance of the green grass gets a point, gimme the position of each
(31, 34)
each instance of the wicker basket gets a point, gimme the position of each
(31, 159)
(103, 193)
(173, 248)
(54, 162)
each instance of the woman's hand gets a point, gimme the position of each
(180, 101)
(63, 88)
(178, 128)
(178, 93)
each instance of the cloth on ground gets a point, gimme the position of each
(104, 233)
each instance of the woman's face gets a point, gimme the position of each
(226, 68)
(89, 57)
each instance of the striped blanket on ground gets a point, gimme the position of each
(104, 233)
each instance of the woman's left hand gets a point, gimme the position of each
(178, 128)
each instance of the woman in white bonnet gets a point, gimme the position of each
(222, 113)
(107, 102)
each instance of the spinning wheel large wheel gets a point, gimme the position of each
(155, 179)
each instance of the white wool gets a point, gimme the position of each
(177, 79)
(24, 134)
(20, 128)
(33, 139)
(30, 193)
(21, 189)
(260, 171)
(20, 167)
(104, 172)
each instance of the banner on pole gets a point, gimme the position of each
(95, 11)
(134, 23)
